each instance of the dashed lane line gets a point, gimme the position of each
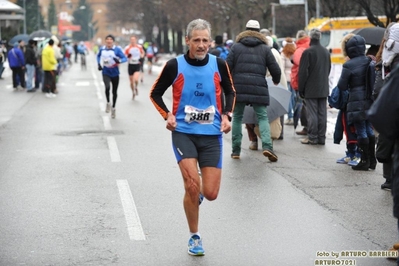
(133, 222)
(113, 150)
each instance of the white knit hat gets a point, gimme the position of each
(253, 24)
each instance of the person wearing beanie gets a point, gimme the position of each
(314, 69)
(302, 43)
(353, 79)
(249, 60)
(220, 50)
(108, 59)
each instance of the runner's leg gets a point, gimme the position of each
(115, 83)
(107, 83)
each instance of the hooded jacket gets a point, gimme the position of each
(353, 77)
(301, 45)
(248, 60)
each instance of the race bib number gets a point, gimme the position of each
(200, 116)
(134, 59)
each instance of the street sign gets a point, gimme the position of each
(292, 2)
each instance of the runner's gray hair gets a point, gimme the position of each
(198, 24)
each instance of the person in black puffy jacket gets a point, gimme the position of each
(353, 79)
(248, 60)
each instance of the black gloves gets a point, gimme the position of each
(116, 60)
(129, 55)
(100, 67)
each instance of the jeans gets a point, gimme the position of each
(263, 122)
(292, 101)
(363, 129)
(30, 72)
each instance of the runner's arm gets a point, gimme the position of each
(227, 85)
(163, 82)
(99, 56)
(122, 57)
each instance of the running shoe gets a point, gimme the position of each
(113, 113)
(108, 108)
(195, 246)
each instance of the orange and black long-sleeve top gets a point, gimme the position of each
(169, 76)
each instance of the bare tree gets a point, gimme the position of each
(389, 7)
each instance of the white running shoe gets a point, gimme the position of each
(113, 113)
(48, 95)
(108, 108)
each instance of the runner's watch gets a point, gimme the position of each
(229, 115)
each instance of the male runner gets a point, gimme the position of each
(134, 52)
(110, 56)
(198, 120)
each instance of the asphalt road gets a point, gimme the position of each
(80, 188)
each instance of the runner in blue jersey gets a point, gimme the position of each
(108, 58)
(203, 101)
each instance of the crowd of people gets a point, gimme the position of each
(215, 82)
(239, 70)
(34, 66)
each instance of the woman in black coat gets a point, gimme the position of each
(353, 78)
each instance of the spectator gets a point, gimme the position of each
(31, 62)
(49, 64)
(16, 61)
(353, 78)
(302, 43)
(314, 69)
(3, 53)
(286, 57)
(249, 59)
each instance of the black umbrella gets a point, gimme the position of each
(40, 35)
(19, 37)
(372, 35)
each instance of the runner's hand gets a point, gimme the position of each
(116, 60)
(129, 55)
(100, 67)
(225, 125)
(171, 122)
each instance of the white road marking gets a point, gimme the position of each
(102, 106)
(82, 84)
(99, 94)
(134, 227)
(107, 123)
(93, 74)
(113, 149)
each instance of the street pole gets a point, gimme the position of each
(273, 18)
(317, 8)
(24, 16)
(38, 16)
(306, 13)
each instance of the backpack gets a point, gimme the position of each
(223, 52)
(338, 99)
